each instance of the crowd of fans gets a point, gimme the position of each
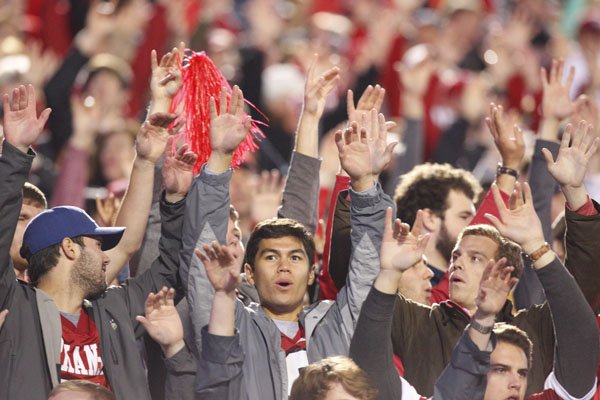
(419, 220)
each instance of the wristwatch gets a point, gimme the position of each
(484, 330)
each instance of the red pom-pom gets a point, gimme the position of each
(201, 81)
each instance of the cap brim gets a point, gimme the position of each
(110, 236)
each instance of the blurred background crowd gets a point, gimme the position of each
(440, 61)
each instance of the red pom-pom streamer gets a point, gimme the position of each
(201, 81)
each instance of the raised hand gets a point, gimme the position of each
(556, 101)
(372, 98)
(22, 127)
(520, 222)
(100, 23)
(178, 169)
(228, 126)
(355, 156)
(495, 285)
(107, 210)
(576, 150)
(222, 268)
(586, 109)
(166, 76)
(507, 135)
(402, 247)
(317, 88)
(377, 132)
(162, 322)
(268, 194)
(152, 136)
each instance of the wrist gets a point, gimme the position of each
(412, 106)
(219, 162)
(143, 162)
(512, 164)
(533, 244)
(169, 350)
(363, 183)
(159, 104)
(483, 318)
(576, 196)
(387, 281)
(173, 197)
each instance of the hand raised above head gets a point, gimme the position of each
(178, 169)
(318, 87)
(576, 149)
(556, 101)
(372, 98)
(229, 125)
(507, 135)
(519, 223)
(495, 285)
(166, 75)
(152, 136)
(22, 127)
(402, 247)
(222, 268)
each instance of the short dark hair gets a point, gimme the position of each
(506, 248)
(96, 391)
(44, 260)
(315, 380)
(512, 335)
(32, 195)
(428, 185)
(277, 228)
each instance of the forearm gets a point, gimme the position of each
(14, 169)
(133, 215)
(72, 178)
(583, 254)
(576, 330)
(368, 220)
(181, 375)
(465, 376)
(307, 135)
(222, 315)
(542, 184)
(301, 193)
(371, 346)
(481, 340)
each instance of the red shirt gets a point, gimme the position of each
(80, 351)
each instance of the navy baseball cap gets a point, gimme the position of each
(50, 227)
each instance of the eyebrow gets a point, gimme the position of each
(270, 250)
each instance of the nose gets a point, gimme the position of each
(283, 266)
(105, 258)
(515, 381)
(456, 263)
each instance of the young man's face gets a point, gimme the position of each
(89, 273)
(507, 377)
(234, 239)
(281, 274)
(28, 211)
(469, 258)
(415, 283)
(457, 216)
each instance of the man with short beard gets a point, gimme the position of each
(52, 332)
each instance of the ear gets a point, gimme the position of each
(70, 249)
(311, 274)
(431, 221)
(249, 273)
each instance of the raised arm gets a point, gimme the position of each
(207, 208)
(364, 153)
(150, 145)
(464, 377)
(22, 127)
(574, 323)
(301, 192)
(371, 346)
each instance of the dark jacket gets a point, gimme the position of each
(583, 254)
(30, 337)
(424, 336)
